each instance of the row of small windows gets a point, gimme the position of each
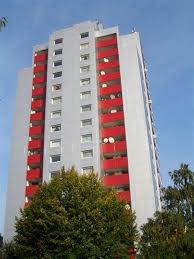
(85, 170)
(84, 154)
(84, 108)
(82, 35)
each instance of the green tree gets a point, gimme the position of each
(170, 233)
(3, 22)
(75, 217)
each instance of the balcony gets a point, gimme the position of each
(41, 57)
(35, 144)
(40, 68)
(107, 53)
(113, 89)
(110, 103)
(124, 196)
(36, 130)
(108, 42)
(116, 180)
(31, 190)
(115, 163)
(38, 104)
(117, 147)
(106, 65)
(38, 116)
(39, 92)
(112, 117)
(35, 159)
(113, 132)
(39, 79)
(109, 77)
(34, 174)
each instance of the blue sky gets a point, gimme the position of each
(166, 29)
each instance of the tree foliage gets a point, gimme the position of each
(170, 233)
(3, 22)
(75, 217)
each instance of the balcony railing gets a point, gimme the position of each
(115, 163)
(35, 159)
(116, 180)
(108, 42)
(40, 68)
(40, 91)
(36, 130)
(107, 53)
(109, 77)
(105, 65)
(110, 117)
(34, 174)
(35, 144)
(125, 196)
(117, 147)
(105, 104)
(31, 190)
(113, 89)
(38, 104)
(41, 57)
(113, 132)
(38, 116)
(39, 79)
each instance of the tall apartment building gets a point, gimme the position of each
(85, 102)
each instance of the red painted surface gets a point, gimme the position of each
(109, 77)
(113, 132)
(115, 163)
(35, 159)
(36, 130)
(31, 190)
(40, 68)
(114, 180)
(116, 147)
(108, 42)
(107, 53)
(38, 104)
(111, 103)
(39, 79)
(35, 144)
(38, 116)
(110, 117)
(110, 90)
(34, 174)
(40, 91)
(41, 57)
(124, 196)
(105, 65)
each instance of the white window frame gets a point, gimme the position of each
(84, 69)
(58, 41)
(82, 123)
(86, 138)
(86, 154)
(55, 52)
(53, 143)
(58, 98)
(58, 73)
(86, 108)
(58, 65)
(85, 95)
(85, 57)
(84, 46)
(87, 169)
(53, 87)
(52, 156)
(56, 112)
(84, 35)
(85, 81)
(56, 125)
(54, 173)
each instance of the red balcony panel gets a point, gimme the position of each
(39, 79)
(40, 68)
(113, 89)
(38, 116)
(115, 163)
(41, 57)
(118, 146)
(41, 91)
(115, 180)
(111, 103)
(36, 130)
(109, 42)
(124, 196)
(35, 144)
(32, 189)
(110, 117)
(38, 104)
(105, 65)
(35, 159)
(34, 174)
(113, 132)
(107, 53)
(109, 77)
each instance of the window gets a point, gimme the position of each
(56, 100)
(58, 52)
(84, 46)
(57, 74)
(55, 143)
(58, 41)
(86, 108)
(56, 114)
(57, 63)
(55, 128)
(84, 69)
(56, 87)
(86, 138)
(87, 122)
(87, 153)
(85, 81)
(55, 158)
(54, 173)
(87, 170)
(84, 57)
(84, 35)
(85, 95)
